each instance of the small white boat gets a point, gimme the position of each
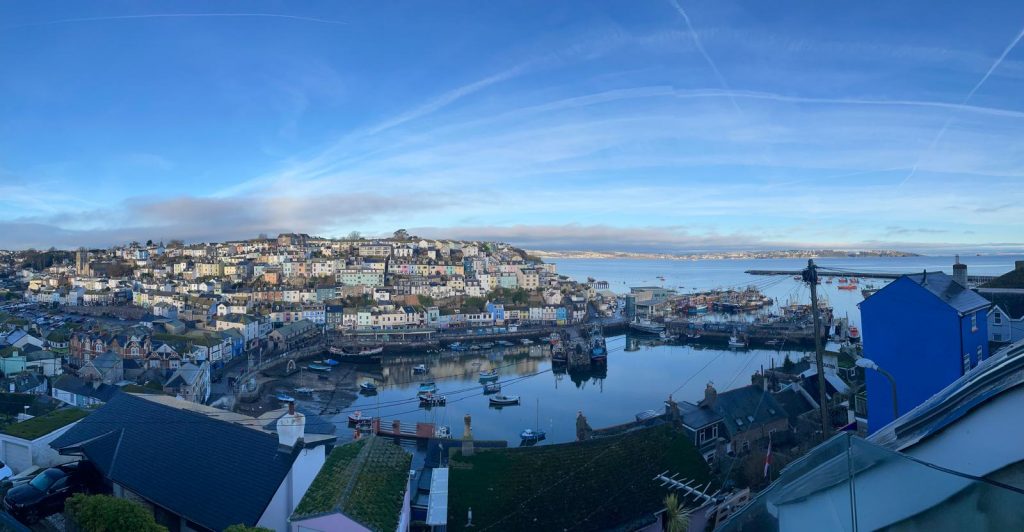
(419, 369)
(526, 341)
(358, 417)
(304, 390)
(504, 400)
(492, 387)
(736, 342)
(368, 387)
(432, 399)
(489, 375)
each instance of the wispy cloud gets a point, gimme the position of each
(704, 53)
(967, 98)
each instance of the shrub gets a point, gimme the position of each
(103, 513)
(243, 528)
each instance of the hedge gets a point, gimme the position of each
(103, 513)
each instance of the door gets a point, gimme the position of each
(17, 456)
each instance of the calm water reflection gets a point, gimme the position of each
(636, 379)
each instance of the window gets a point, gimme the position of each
(974, 322)
(997, 337)
(746, 446)
(714, 431)
(997, 318)
(979, 353)
(703, 435)
(967, 361)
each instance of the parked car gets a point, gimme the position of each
(5, 472)
(45, 494)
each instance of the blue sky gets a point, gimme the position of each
(659, 125)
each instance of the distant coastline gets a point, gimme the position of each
(722, 255)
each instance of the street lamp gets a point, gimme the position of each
(867, 363)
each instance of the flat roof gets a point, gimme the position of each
(437, 505)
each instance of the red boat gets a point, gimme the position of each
(854, 333)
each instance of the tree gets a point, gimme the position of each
(401, 234)
(787, 364)
(677, 518)
(354, 235)
(103, 513)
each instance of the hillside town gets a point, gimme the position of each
(105, 348)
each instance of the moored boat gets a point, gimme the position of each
(358, 417)
(427, 387)
(532, 436)
(432, 399)
(317, 366)
(504, 400)
(492, 387)
(854, 333)
(736, 342)
(304, 390)
(285, 398)
(360, 355)
(646, 326)
(526, 341)
(419, 369)
(367, 387)
(489, 375)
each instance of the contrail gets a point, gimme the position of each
(945, 126)
(703, 52)
(176, 15)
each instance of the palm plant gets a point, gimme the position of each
(677, 518)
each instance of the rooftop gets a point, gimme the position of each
(604, 482)
(365, 480)
(951, 292)
(150, 446)
(40, 426)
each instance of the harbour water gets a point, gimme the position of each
(639, 376)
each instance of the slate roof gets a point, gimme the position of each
(215, 473)
(187, 374)
(72, 384)
(1011, 279)
(793, 402)
(951, 292)
(1012, 304)
(696, 417)
(747, 408)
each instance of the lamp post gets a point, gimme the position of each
(867, 363)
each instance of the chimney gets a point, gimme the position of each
(960, 272)
(710, 396)
(467, 437)
(291, 428)
(1018, 265)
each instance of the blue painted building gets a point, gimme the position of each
(927, 330)
(497, 311)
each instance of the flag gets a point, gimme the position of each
(768, 458)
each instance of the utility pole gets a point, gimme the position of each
(811, 277)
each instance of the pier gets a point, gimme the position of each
(973, 279)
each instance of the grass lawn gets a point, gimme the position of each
(597, 484)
